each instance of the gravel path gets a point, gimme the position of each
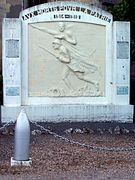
(55, 159)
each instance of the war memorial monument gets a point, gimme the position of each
(66, 61)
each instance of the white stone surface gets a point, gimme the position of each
(12, 62)
(77, 12)
(121, 62)
(71, 112)
(20, 163)
(71, 64)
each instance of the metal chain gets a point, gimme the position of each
(90, 147)
(7, 124)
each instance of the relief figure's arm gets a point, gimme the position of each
(67, 37)
(43, 29)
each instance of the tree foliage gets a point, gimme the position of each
(124, 11)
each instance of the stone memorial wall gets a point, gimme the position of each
(67, 61)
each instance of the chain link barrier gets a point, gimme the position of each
(90, 147)
(7, 124)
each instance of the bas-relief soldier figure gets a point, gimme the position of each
(64, 44)
(61, 34)
(80, 68)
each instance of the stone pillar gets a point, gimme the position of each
(3, 10)
(25, 4)
(12, 62)
(121, 62)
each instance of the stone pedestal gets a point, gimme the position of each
(77, 113)
(21, 163)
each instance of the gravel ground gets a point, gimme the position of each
(55, 159)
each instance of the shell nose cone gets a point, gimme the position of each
(22, 137)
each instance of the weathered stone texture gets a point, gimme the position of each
(10, 9)
(94, 2)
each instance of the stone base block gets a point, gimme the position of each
(70, 112)
(20, 163)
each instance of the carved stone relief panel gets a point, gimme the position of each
(66, 59)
